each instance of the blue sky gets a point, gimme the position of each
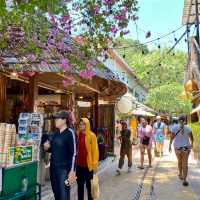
(159, 17)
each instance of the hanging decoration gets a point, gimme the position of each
(148, 34)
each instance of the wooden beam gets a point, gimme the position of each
(82, 84)
(33, 92)
(96, 111)
(90, 88)
(3, 87)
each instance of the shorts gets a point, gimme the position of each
(159, 138)
(143, 147)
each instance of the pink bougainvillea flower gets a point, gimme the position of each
(65, 65)
(68, 82)
(126, 32)
(53, 20)
(31, 57)
(108, 2)
(86, 74)
(96, 10)
(114, 30)
(65, 19)
(44, 63)
(55, 31)
(61, 45)
(89, 66)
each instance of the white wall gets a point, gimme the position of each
(128, 78)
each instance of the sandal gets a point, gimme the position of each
(185, 183)
(140, 167)
(180, 177)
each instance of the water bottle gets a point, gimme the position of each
(24, 184)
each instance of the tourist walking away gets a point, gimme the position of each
(118, 129)
(62, 145)
(174, 124)
(87, 158)
(182, 139)
(145, 133)
(159, 136)
(126, 147)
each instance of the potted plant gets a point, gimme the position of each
(101, 144)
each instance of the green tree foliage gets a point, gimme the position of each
(43, 27)
(160, 72)
(154, 68)
(168, 99)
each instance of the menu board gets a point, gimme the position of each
(23, 154)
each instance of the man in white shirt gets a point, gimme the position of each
(182, 138)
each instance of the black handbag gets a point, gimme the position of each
(145, 140)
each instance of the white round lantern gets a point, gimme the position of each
(125, 105)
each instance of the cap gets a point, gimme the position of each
(182, 118)
(158, 117)
(61, 115)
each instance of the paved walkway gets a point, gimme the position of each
(158, 183)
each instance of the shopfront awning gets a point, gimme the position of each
(197, 109)
(141, 112)
(104, 82)
(20, 65)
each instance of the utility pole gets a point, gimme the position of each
(197, 20)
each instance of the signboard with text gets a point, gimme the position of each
(23, 154)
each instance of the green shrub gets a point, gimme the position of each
(100, 139)
(196, 133)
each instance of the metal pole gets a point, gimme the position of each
(197, 21)
(197, 33)
(188, 38)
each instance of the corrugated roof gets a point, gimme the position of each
(12, 63)
(189, 11)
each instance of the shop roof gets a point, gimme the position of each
(12, 63)
(189, 11)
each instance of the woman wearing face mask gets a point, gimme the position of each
(182, 137)
(87, 159)
(62, 146)
(145, 133)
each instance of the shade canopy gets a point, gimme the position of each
(142, 113)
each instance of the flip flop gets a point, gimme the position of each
(139, 167)
(180, 177)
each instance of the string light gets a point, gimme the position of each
(159, 43)
(175, 39)
(124, 56)
(152, 41)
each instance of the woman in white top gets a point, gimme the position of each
(183, 142)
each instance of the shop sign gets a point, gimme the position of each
(23, 154)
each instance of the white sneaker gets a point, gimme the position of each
(129, 169)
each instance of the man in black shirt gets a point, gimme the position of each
(62, 145)
(126, 147)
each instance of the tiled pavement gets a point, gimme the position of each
(160, 182)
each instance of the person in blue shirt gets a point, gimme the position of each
(159, 135)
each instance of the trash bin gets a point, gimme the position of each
(21, 179)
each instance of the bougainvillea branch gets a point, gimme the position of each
(70, 32)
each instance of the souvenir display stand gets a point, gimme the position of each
(19, 156)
